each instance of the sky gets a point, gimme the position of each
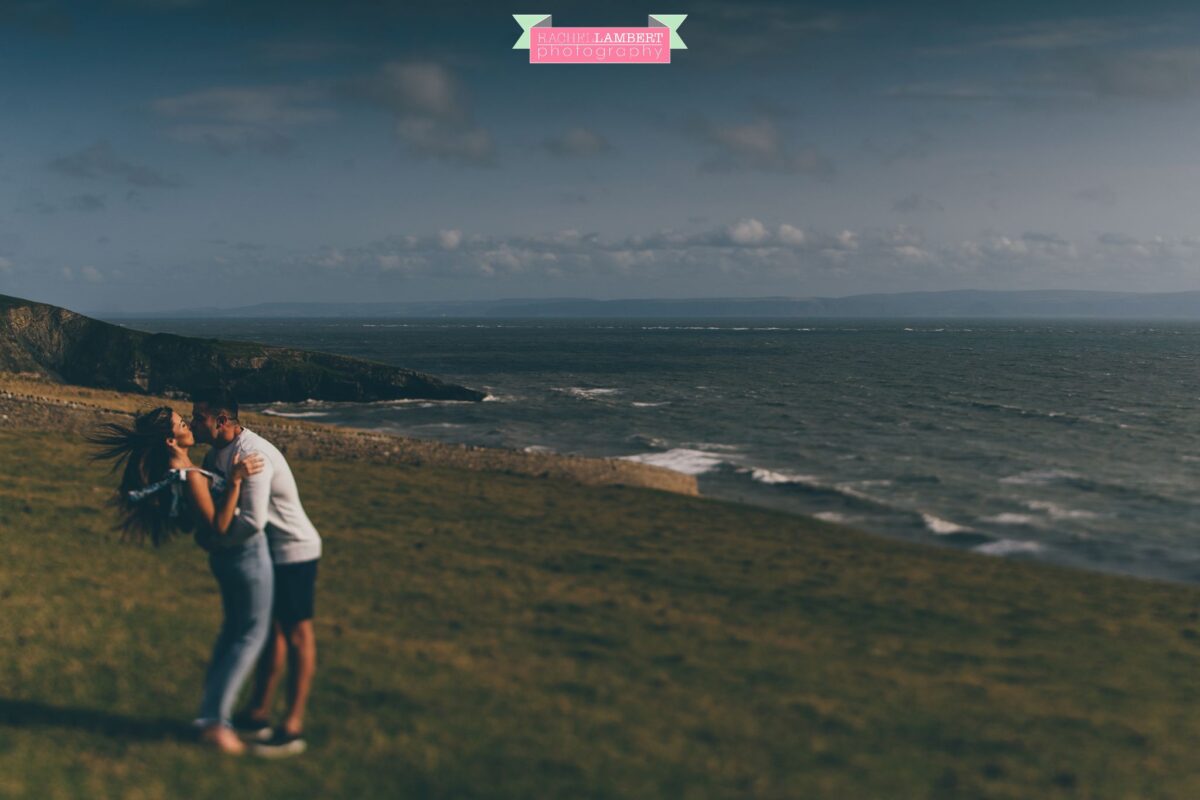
(167, 154)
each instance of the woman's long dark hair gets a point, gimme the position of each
(142, 454)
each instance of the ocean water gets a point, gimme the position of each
(1071, 442)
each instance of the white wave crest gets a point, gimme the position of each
(294, 414)
(773, 477)
(689, 462)
(584, 393)
(1009, 518)
(1035, 477)
(942, 527)
(1055, 511)
(1004, 547)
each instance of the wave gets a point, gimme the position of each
(1055, 511)
(1060, 416)
(845, 491)
(646, 440)
(294, 414)
(1005, 547)
(942, 527)
(651, 405)
(1010, 518)
(584, 393)
(772, 478)
(1040, 477)
(833, 516)
(689, 462)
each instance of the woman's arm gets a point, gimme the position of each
(220, 518)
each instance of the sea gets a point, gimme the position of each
(1073, 442)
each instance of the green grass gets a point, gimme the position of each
(484, 635)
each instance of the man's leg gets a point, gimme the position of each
(270, 670)
(302, 665)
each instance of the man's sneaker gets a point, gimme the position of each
(280, 745)
(250, 729)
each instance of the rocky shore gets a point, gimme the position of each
(29, 402)
(64, 346)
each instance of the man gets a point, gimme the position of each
(270, 503)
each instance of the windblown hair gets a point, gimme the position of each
(141, 453)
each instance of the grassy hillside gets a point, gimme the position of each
(490, 635)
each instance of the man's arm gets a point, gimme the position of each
(253, 503)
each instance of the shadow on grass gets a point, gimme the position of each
(31, 713)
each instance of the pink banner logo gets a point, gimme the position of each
(649, 45)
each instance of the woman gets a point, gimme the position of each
(161, 493)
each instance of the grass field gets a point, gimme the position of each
(487, 635)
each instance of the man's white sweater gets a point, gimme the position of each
(269, 502)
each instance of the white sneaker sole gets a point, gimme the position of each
(279, 751)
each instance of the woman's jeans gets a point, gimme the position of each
(247, 581)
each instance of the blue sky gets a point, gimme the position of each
(159, 154)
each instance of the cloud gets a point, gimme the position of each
(6, 266)
(251, 105)
(747, 247)
(915, 203)
(1149, 73)
(757, 146)
(577, 142)
(738, 254)
(100, 161)
(1157, 249)
(431, 109)
(226, 140)
(748, 231)
(1059, 61)
(450, 240)
(91, 274)
(252, 118)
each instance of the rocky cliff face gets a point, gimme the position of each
(71, 348)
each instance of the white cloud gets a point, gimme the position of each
(91, 274)
(432, 111)
(760, 145)
(748, 231)
(790, 235)
(450, 240)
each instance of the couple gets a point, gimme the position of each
(245, 511)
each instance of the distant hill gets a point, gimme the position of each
(53, 342)
(962, 304)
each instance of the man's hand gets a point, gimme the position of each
(240, 470)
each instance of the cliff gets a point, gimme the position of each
(53, 342)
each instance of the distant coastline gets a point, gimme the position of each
(967, 304)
